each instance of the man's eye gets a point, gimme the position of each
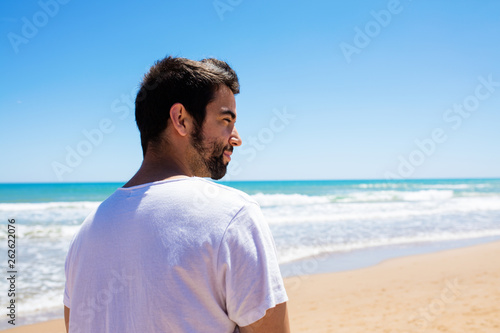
(227, 119)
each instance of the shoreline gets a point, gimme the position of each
(431, 292)
(372, 256)
(448, 291)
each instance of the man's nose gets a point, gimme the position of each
(235, 139)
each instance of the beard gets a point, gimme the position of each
(211, 155)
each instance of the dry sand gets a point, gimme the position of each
(452, 291)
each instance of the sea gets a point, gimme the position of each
(329, 225)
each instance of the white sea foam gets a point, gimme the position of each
(451, 186)
(270, 200)
(48, 213)
(43, 206)
(379, 211)
(409, 186)
(378, 196)
(55, 232)
(50, 299)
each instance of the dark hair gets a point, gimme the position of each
(179, 80)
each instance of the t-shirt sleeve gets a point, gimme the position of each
(68, 286)
(66, 297)
(248, 267)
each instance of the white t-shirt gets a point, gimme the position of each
(182, 255)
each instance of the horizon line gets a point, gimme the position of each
(267, 180)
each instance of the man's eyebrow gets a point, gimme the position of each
(229, 112)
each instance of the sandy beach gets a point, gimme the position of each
(451, 291)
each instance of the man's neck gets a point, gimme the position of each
(155, 169)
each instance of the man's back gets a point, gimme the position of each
(182, 255)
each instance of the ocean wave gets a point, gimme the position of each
(395, 196)
(452, 186)
(379, 185)
(378, 212)
(280, 199)
(41, 206)
(43, 301)
(48, 213)
(414, 186)
(270, 200)
(54, 232)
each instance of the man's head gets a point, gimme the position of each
(201, 90)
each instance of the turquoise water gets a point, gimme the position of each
(328, 187)
(70, 192)
(307, 218)
(58, 192)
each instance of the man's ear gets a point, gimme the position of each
(181, 120)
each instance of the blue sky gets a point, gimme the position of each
(329, 89)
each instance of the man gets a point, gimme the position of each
(171, 252)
